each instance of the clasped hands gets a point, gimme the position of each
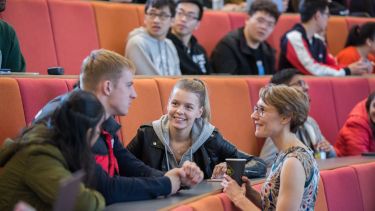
(188, 175)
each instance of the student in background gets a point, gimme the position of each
(360, 46)
(193, 57)
(110, 77)
(292, 183)
(148, 47)
(51, 150)
(302, 48)
(309, 133)
(10, 53)
(358, 133)
(185, 134)
(245, 50)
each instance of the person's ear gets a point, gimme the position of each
(285, 119)
(200, 111)
(107, 87)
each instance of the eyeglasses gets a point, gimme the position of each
(261, 20)
(188, 16)
(259, 110)
(161, 16)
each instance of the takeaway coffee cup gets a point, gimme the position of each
(236, 168)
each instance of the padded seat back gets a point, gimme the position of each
(36, 37)
(74, 31)
(11, 109)
(365, 174)
(37, 92)
(342, 189)
(114, 22)
(145, 108)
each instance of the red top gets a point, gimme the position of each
(350, 55)
(356, 135)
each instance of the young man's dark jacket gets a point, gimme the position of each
(193, 61)
(147, 147)
(232, 55)
(132, 180)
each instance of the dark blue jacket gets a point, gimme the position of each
(134, 181)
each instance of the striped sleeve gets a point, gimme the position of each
(300, 57)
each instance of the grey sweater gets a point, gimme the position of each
(150, 55)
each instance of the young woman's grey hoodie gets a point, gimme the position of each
(152, 56)
(200, 133)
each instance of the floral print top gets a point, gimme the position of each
(271, 187)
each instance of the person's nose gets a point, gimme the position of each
(133, 93)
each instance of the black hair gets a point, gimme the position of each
(284, 76)
(196, 2)
(370, 98)
(67, 129)
(158, 4)
(266, 6)
(308, 8)
(359, 34)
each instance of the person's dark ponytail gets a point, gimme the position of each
(354, 36)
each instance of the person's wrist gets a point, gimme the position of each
(238, 200)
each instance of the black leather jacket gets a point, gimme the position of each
(147, 147)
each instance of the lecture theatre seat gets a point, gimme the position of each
(74, 32)
(31, 20)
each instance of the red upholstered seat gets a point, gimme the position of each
(342, 189)
(144, 109)
(227, 203)
(346, 97)
(114, 22)
(237, 19)
(11, 109)
(365, 174)
(31, 20)
(207, 203)
(207, 33)
(36, 92)
(74, 31)
(322, 106)
(71, 83)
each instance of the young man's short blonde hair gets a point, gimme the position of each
(103, 65)
(288, 101)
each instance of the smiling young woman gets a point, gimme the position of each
(185, 134)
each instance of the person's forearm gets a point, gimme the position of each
(243, 203)
(254, 197)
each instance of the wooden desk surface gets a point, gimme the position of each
(208, 188)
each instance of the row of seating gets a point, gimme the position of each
(62, 33)
(231, 98)
(345, 189)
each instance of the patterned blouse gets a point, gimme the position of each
(271, 187)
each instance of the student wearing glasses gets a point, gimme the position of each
(292, 183)
(193, 57)
(309, 133)
(148, 47)
(302, 48)
(245, 51)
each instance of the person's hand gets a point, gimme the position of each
(359, 68)
(193, 174)
(174, 175)
(219, 170)
(324, 145)
(232, 189)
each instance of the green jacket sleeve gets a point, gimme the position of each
(44, 175)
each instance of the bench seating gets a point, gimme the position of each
(345, 189)
(231, 98)
(62, 33)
